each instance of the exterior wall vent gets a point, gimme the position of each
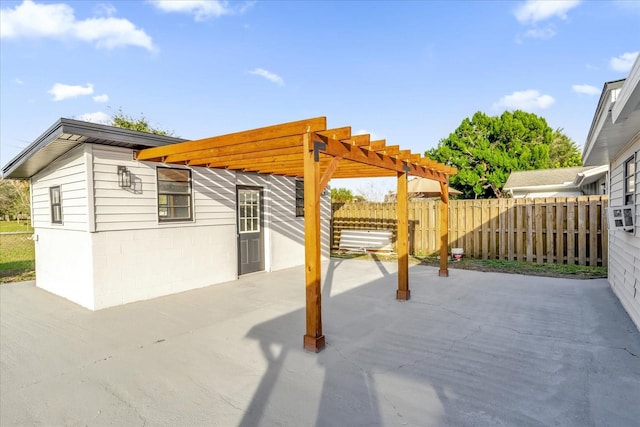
(620, 217)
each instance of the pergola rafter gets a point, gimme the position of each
(307, 149)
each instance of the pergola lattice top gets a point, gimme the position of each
(307, 149)
(279, 150)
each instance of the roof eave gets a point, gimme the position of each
(563, 186)
(600, 119)
(95, 133)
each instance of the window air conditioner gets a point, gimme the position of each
(620, 217)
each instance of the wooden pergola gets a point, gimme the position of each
(307, 149)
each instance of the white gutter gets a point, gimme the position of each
(629, 95)
(598, 170)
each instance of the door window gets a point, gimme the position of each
(249, 211)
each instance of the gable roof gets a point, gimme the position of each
(66, 134)
(617, 119)
(559, 178)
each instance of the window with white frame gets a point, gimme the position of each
(629, 180)
(174, 195)
(56, 204)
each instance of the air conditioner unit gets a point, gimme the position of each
(620, 217)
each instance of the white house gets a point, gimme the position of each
(111, 230)
(614, 139)
(559, 182)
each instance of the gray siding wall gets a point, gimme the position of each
(70, 173)
(624, 247)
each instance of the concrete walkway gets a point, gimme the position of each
(472, 349)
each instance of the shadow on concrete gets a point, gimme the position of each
(473, 349)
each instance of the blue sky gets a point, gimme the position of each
(408, 72)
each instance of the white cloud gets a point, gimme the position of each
(200, 9)
(101, 98)
(19, 81)
(62, 91)
(533, 11)
(527, 100)
(373, 136)
(268, 75)
(624, 62)
(97, 117)
(34, 20)
(545, 33)
(586, 89)
(104, 9)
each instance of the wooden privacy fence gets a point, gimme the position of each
(562, 230)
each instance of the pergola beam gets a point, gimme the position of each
(328, 173)
(308, 150)
(260, 134)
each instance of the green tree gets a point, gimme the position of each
(341, 195)
(14, 199)
(563, 152)
(140, 124)
(487, 149)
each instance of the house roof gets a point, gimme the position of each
(422, 187)
(617, 119)
(559, 178)
(66, 134)
(282, 150)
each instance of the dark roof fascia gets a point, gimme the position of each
(129, 138)
(42, 141)
(116, 134)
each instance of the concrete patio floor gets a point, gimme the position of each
(472, 349)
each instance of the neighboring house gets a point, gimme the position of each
(560, 182)
(614, 139)
(111, 230)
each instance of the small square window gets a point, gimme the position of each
(299, 198)
(56, 205)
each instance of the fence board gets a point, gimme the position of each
(548, 228)
(559, 230)
(571, 230)
(555, 230)
(582, 231)
(538, 208)
(593, 233)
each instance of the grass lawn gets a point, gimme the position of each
(17, 253)
(7, 226)
(499, 266)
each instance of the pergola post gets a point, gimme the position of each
(313, 339)
(403, 293)
(444, 229)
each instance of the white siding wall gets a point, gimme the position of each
(120, 252)
(64, 264)
(133, 265)
(287, 230)
(624, 247)
(70, 173)
(119, 209)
